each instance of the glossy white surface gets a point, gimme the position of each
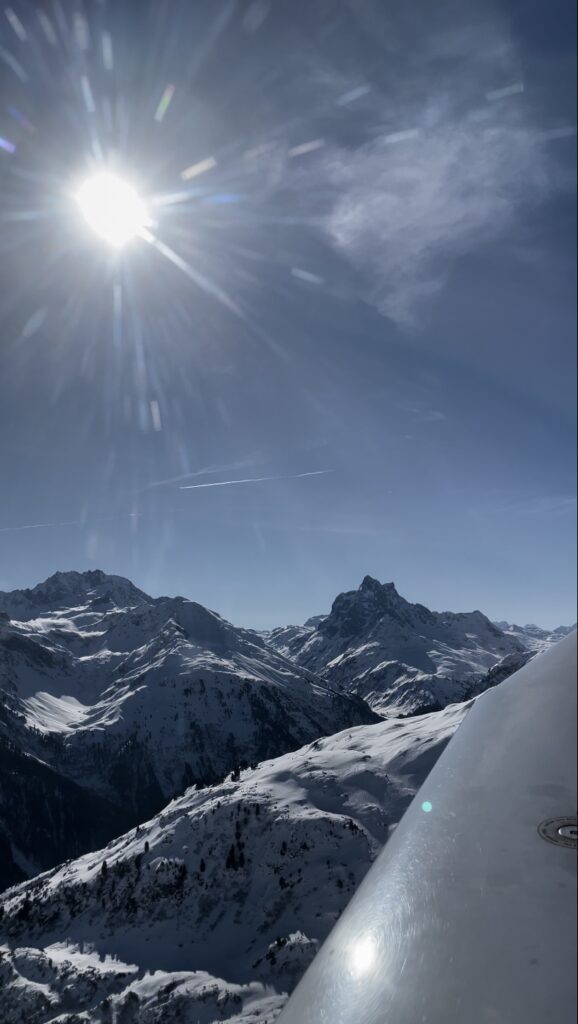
(469, 915)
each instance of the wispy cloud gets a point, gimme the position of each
(255, 480)
(558, 505)
(345, 530)
(405, 212)
(452, 152)
(423, 414)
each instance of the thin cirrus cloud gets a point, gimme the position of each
(449, 159)
(423, 414)
(545, 505)
(404, 212)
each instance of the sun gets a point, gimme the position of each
(113, 208)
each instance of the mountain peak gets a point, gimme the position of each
(72, 576)
(369, 585)
(66, 589)
(86, 582)
(355, 612)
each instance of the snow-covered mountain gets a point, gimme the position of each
(66, 590)
(240, 881)
(534, 638)
(400, 657)
(114, 701)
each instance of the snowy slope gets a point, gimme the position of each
(134, 702)
(400, 657)
(41, 986)
(241, 881)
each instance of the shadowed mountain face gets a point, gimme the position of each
(114, 702)
(46, 816)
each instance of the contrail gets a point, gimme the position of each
(255, 480)
(69, 522)
(241, 464)
(38, 526)
(187, 487)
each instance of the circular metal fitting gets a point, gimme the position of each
(561, 831)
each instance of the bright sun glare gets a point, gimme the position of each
(112, 208)
(363, 955)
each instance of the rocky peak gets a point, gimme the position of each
(385, 593)
(370, 585)
(67, 589)
(356, 611)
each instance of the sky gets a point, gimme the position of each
(355, 293)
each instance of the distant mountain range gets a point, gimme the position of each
(534, 638)
(271, 768)
(401, 658)
(113, 702)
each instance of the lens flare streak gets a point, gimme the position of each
(199, 279)
(199, 168)
(16, 24)
(164, 103)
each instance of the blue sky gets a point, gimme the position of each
(371, 281)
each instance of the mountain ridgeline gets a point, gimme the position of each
(117, 702)
(216, 794)
(402, 658)
(113, 702)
